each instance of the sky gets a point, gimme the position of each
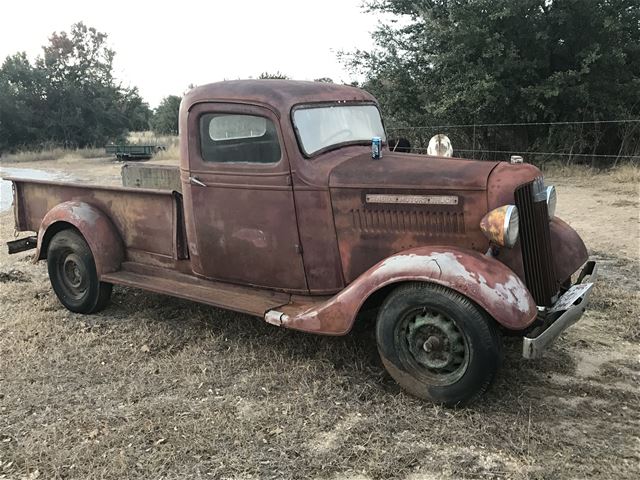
(162, 47)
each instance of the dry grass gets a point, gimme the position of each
(171, 142)
(51, 154)
(625, 173)
(572, 171)
(151, 138)
(154, 387)
(172, 152)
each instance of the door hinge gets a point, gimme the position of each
(298, 249)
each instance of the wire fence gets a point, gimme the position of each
(600, 143)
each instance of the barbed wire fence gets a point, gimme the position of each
(600, 143)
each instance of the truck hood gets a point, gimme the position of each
(407, 171)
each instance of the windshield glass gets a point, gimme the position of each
(322, 127)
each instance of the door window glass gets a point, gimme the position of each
(231, 138)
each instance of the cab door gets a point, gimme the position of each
(241, 222)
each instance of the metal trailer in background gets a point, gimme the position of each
(133, 152)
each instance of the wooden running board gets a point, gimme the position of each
(250, 300)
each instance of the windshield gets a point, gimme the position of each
(321, 127)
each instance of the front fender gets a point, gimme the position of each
(96, 228)
(483, 279)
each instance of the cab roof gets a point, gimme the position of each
(280, 95)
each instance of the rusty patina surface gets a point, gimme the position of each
(504, 179)
(494, 224)
(145, 221)
(323, 233)
(569, 250)
(490, 284)
(278, 95)
(96, 228)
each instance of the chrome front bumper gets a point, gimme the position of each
(571, 305)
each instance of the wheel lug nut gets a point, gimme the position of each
(432, 343)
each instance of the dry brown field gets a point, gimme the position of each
(159, 388)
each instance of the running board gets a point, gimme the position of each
(250, 300)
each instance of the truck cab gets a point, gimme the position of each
(284, 213)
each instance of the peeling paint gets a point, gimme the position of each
(483, 279)
(252, 235)
(96, 228)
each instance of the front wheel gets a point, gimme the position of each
(437, 344)
(73, 275)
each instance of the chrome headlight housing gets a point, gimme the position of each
(501, 226)
(552, 199)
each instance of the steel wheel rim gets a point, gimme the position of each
(432, 346)
(73, 275)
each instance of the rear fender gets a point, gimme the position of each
(96, 228)
(484, 280)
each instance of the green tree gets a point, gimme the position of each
(68, 96)
(486, 61)
(22, 103)
(85, 105)
(273, 76)
(165, 117)
(136, 111)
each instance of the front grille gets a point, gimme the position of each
(535, 241)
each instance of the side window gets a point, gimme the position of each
(238, 138)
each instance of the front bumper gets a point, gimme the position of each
(567, 310)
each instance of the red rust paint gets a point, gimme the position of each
(302, 227)
(503, 181)
(487, 282)
(569, 251)
(96, 228)
(493, 224)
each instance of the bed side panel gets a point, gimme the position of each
(144, 219)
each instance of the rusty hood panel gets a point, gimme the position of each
(411, 172)
(402, 201)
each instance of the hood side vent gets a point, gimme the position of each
(426, 222)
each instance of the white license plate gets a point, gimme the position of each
(570, 296)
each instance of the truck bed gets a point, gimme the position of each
(149, 221)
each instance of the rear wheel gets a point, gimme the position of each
(73, 275)
(437, 344)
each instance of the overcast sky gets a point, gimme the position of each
(162, 47)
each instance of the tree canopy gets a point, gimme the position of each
(68, 96)
(273, 76)
(165, 117)
(500, 61)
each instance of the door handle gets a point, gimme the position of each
(195, 181)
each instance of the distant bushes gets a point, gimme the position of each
(165, 117)
(68, 96)
(530, 66)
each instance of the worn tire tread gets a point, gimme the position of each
(100, 294)
(485, 331)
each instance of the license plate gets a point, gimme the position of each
(570, 296)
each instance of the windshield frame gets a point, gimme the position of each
(335, 146)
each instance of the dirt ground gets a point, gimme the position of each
(159, 388)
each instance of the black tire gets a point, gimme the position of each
(437, 344)
(73, 275)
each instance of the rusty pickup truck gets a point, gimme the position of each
(283, 214)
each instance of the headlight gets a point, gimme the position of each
(500, 226)
(552, 199)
